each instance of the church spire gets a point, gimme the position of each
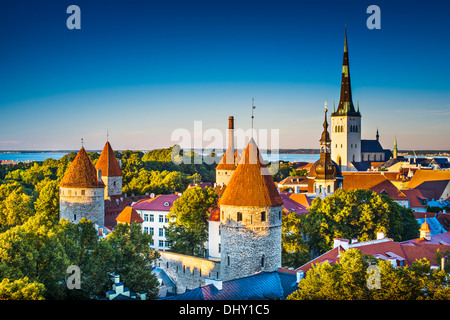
(345, 106)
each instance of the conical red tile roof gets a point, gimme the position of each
(108, 163)
(129, 215)
(224, 165)
(251, 183)
(81, 173)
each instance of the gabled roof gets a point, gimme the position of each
(129, 215)
(260, 286)
(369, 146)
(290, 205)
(302, 199)
(161, 202)
(421, 176)
(251, 183)
(108, 163)
(374, 181)
(81, 173)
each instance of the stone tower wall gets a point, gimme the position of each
(77, 203)
(223, 176)
(113, 186)
(249, 245)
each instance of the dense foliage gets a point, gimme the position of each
(36, 248)
(188, 228)
(351, 279)
(358, 214)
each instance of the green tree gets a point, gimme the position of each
(15, 209)
(132, 258)
(294, 252)
(21, 289)
(188, 229)
(348, 278)
(359, 214)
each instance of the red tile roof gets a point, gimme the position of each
(224, 162)
(108, 163)
(81, 173)
(421, 176)
(251, 183)
(214, 215)
(374, 181)
(129, 215)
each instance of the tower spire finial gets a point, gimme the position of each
(253, 108)
(82, 143)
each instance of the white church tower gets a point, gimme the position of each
(346, 122)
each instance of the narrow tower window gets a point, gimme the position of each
(263, 216)
(239, 216)
(262, 261)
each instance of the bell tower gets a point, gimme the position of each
(346, 122)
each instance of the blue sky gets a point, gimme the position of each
(142, 69)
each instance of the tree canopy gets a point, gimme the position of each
(359, 214)
(188, 229)
(351, 279)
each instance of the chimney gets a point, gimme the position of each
(300, 275)
(215, 282)
(230, 149)
(380, 235)
(141, 295)
(340, 243)
(99, 175)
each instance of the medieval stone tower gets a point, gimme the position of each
(111, 172)
(82, 191)
(346, 122)
(250, 219)
(230, 159)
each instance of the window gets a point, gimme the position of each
(263, 216)
(83, 192)
(166, 204)
(146, 229)
(75, 217)
(145, 217)
(70, 192)
(161, 232)
(262, 261)
(151, 217)
(166, 219)
(151, 230)
(161, 218)
(228, 260)
(114, 183)
(239, 216)
(161, 243)
(219, 247)
(329, 189)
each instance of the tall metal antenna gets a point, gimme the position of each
(107, 134)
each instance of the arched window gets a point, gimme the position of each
(329, 189)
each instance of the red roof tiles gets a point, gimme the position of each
(129, 215)
(108, 163)
(81, 173)
(251, 183)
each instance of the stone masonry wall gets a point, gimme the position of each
(187, 272)
(76, 203)
(249, 245)
(113, 186)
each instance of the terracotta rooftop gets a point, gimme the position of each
(81, 173)
(251, 183)
(129, 215)
(374, 181)
(421, 176)
(108, 163)
(228, 164)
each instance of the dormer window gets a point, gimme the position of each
(166, 204)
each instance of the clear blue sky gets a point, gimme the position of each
(145, 68)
